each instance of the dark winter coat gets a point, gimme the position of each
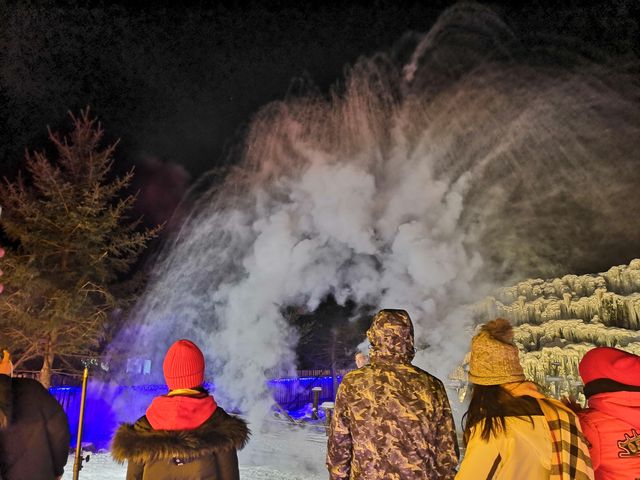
(392, 420)
(207, 452)
(34, 432)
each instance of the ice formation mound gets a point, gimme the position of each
(559, 320)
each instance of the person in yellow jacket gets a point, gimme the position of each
(511, 430)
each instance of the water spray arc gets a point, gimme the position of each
(421, 183)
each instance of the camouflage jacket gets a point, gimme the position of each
(392, 420)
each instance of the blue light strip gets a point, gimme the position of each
(103, 415)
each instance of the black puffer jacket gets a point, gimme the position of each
(34, 432)
(204, 453)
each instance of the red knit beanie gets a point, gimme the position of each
(183, 365)
(610, 363)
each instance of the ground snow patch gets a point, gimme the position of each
(102, 467)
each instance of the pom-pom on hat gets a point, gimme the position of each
(611, 364)
(183, 365)
(494, 358)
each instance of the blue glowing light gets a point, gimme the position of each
(107, 405)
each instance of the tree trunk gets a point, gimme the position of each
(47, 361)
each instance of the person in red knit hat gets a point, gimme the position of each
(611, 380)
(184, 434)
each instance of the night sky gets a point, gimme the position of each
(179, 85)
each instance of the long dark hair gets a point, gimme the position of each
(492, 403)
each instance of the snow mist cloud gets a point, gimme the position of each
(416, 185)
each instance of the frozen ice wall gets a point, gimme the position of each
(455, 159)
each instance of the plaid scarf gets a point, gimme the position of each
(570, 456)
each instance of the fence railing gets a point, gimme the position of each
(106, 408)
(295, 393)
(57, 379)
(289, 393)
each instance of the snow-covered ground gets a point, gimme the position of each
(99, 467)
(102, 467)
(279, 451)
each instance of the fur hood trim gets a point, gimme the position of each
(6, 401)
(140, 443)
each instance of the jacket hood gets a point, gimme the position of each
(6, 401)
(391, 337)
(180, 412)
(140, 443)
(622, 405)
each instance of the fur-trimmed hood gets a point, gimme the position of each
(140, 443)
(6, 401)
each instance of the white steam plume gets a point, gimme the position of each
(413, 187)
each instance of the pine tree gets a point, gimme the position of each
(73, 244)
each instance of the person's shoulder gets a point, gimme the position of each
(358, 372)
(129, 440)
(140, 443)
(30, 388)
(27, 384)
(137, 428)
(357, 375)
(29, 395)
(233, 428)
(141, 424)
(594, 417)
(427, 377)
